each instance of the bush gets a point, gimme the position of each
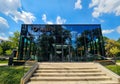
(8, 52)
(1, 50)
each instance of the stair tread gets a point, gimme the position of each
(70, 78)
(67, 71)
(67, 74)
(67, 68)
(73, 82)
(72, 70)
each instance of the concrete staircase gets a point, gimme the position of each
(70, 73)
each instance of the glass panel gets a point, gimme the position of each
(61, 42)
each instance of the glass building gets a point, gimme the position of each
(73, 42)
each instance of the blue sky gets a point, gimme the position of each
(13, 13)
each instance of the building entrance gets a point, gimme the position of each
(65, 43)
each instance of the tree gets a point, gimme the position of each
(8, 52)
(105, 38)
(5, 45)
(118, 40)
(1, 50)
(15, 40)
(112, 47)
(114, 50)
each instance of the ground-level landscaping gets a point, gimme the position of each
(11, 74)
(114, 68)
(3, 61)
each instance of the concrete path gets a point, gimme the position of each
(118, 64)
(3, 64)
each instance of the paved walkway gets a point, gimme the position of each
(118, 64)
(3, 64)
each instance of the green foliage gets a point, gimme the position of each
(8, 52)
(114, 50)
(1, 50)
(118, 61)
(105, 38)
(114, 68)
(5, 45)
(10, 75)
(15, 39)
(3, 61)
(118, 40)
(112, 47)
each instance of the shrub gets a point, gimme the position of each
(8, 52)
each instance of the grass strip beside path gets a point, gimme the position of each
(114, 68)
(10, 75)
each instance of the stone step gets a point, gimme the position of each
(68, 68)
(73, 82)
(66, 65)
(90, 78)
(68, 71)
(68, 74)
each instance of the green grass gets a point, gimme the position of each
(118, 61)
(11, 75)
(114, 68)
(3, 61)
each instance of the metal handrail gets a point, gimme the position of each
(33, 66)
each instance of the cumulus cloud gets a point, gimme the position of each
(11, 33)
(107, 31)
(3, 25)
(3, 28)
(3, 38)
(13, 9)
(118, 29)
(78, 4)
(49, 22)
(59, 20)
(104, 7)
(44, 17)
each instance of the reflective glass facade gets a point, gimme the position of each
(43, 42)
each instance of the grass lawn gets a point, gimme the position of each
(114, 68)
(11, 75)
(3, 61)
(118, 61)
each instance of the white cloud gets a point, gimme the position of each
(3, 38)
(78, 4)
(104, 7)
(44, 18)
(2, 34)
(13, 9)
(49, 22)
(59, 20)
(3, 28)
(107, 31)
(3, 24)
(11, 33)
(118, 29)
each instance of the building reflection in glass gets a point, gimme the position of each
(61, 42)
